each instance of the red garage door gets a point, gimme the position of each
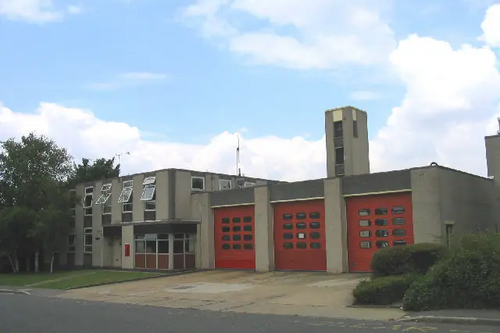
(234, 237)
(375, 222)
(299, 236)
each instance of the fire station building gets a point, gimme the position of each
(182, 219)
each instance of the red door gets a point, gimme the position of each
(375, 222)
(299, 236)
(234, 237)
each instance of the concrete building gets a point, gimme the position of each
(176, 219)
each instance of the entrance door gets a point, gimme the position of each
(299, 236)
(375, 222)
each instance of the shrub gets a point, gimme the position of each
(383, 290)
(468, 278)
(409, 259)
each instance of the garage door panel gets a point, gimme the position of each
(235, 237)
(376, 222)
(299, 236)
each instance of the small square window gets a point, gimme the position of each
(364, 212)
(226, 238)
(314, 225)
(149, 180)
(365, 233)
(226, 220)
(315, 246)
(236, 246)
(226, 247)
(226, 229)
(315, 235)
(301, 235)
(247, 237)
(365, 245)
(287, 235)
(236, 228)
(365, 223)
(288, 226)
(197, 183)
(236, 237)
(225, 184)
(380, 211)
(382, 233)
(315, 215)
(382, 244)
(398, 210)
(301, 216)
(248, 246)
(288, 246)
(301, 226)
(399, 243)
(236, 219)
(398, 221)
(287, 217)
(106, 187)
(89, 190)
(247, 219)
(399, 232)
(301, 245)
(381, 222)
(247, 228)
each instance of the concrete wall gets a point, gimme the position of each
(97, 232)
(205, 247)
(441, 194)
(264, 230)
(297, 190)
(128, 238)
(80, 192)
(162, 195)
(492, 144)
(335, 227)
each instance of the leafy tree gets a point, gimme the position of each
(100, 169)
(34, 175)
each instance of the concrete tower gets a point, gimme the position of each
(347, 151)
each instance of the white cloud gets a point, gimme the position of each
(74, 10)
(34, 11)
(491, 26)
(324, 33)
(451, 102)
(271, 157)
(364, 95)
(132, 79)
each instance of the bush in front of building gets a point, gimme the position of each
(407, 259)
(384, 290)
(468, 278)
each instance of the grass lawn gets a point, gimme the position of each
(70, 279)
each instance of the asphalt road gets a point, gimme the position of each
(29, 313)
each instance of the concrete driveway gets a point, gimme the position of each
(305, 294)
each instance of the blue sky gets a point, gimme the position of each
(161, 67)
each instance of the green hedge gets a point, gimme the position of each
(408, 259)
(383, 290)
(468, 278)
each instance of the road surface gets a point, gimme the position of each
(40, 314)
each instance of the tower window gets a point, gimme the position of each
(355, 128)
(338, 130)
(339, 156)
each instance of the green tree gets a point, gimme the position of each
(100, 169)
(34, 175)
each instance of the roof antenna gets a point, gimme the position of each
(498, 131)
(238, 168)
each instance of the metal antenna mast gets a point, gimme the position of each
(238, 169)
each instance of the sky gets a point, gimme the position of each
(172, 84)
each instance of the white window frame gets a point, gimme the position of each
(71, 245)
(197, 189)
(86, 232)
(106, 205)
(105, 188)
(72, 193)
(249, 184)
(128, 185)
(149, 181)
(88, 194)
(226, 181)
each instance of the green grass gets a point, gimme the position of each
(70, 279)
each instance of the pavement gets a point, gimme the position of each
(21, 313)
(272, 293)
